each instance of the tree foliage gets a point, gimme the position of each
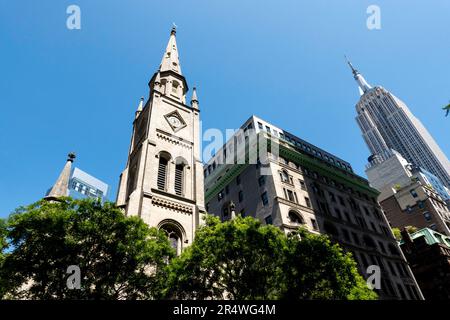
(398, 234)
(119, 257)
(315, 268)
(243, 259)
(122, 258)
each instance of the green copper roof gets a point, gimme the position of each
(431, 236)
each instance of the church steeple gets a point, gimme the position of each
(170, 60)
(362, 83)
(163, 180)
(169, 80)
(61, 185)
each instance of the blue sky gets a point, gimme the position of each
(76, 90)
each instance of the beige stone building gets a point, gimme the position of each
(163, 180)
(293, 183)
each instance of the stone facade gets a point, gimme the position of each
(163, 182)
(306, 186)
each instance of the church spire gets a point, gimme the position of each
(362, 83)
(61, 185)
(140, 107)
(194, 99)
(170, 60)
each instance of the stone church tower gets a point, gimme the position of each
(163, 179)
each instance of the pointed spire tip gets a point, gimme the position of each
(71, 156)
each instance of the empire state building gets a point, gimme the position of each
(387, 123)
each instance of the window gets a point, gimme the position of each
(413, 193)
(314, 224)
(227, 189)
(265, 199)
(421, 204)
(382, 247)
(162, 173)
(332, 196)
(402, 292)
(290, 195)
(302, 185)
(238, 179)
(284, 176)
(241, 196)
(308, 202)
(220, 195)
(295, 217)
(268, 129)
(347, 216)
(364, 260)
(427, 216)
(346, 234)
(392, 268)
(260, 125)
(268, 219)
(355, 238)
(179, 179)
(338, 213)
(261, 180)
(174, 236)
(175, 86)
(225, 213)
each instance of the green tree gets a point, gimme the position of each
(119, 257)
(243, 259)
(397, 234)
(315, 268)
(238, 259)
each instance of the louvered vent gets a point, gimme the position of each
(179, 179)
(162, 174)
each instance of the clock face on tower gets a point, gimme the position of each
(175, 121)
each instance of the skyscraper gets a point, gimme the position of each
(163, 179)
(387, 123)
(83, 185)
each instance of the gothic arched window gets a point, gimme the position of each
(174, 236)
(163, 85)
(175, 86)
